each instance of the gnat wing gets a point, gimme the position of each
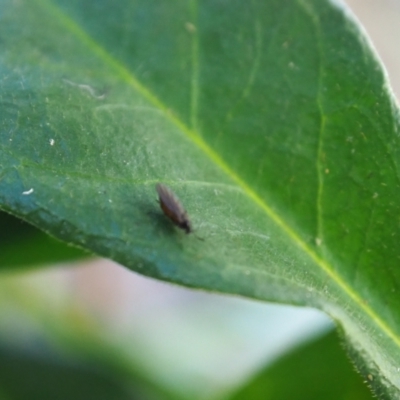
(170, 200)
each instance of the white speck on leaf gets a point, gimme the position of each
(52, 142)
(190, 27)
(87, 88)
(27, 192)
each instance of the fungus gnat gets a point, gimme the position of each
(173, 208)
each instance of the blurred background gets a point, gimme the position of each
(92, 312)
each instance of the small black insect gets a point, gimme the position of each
(173, 208)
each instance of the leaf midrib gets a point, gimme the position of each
(130, 79)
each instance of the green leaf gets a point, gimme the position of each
(47, 374)
(315, 371)
(39, 248)
(271, 120)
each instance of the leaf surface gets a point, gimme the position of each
(47, 375)
(314, 370)
(38, 248)
(271, 120)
